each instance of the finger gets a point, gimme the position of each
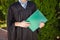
(27, 22)
(28, 25)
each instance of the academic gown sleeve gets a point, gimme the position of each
(10, 24)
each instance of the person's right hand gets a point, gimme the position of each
(22, 24)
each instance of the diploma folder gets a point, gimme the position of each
(35, 19)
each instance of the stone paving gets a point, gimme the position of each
(3, 34)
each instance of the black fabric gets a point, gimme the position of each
(17, 13)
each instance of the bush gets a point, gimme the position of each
(50, 31)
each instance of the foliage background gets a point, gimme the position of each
(47, 7)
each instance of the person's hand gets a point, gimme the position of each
(41, 25)
(22, 24)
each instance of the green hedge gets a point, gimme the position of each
(50, 31)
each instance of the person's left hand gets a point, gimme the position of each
(41, 25)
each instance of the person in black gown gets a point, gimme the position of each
(17, 26)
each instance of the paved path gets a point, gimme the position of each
(3, 34)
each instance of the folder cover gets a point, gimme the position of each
(35, 19)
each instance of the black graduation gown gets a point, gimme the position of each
(17, 13)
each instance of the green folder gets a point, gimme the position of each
(35, 19)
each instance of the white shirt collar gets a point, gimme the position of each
(22, 2)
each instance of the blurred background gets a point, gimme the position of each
(50, 8)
